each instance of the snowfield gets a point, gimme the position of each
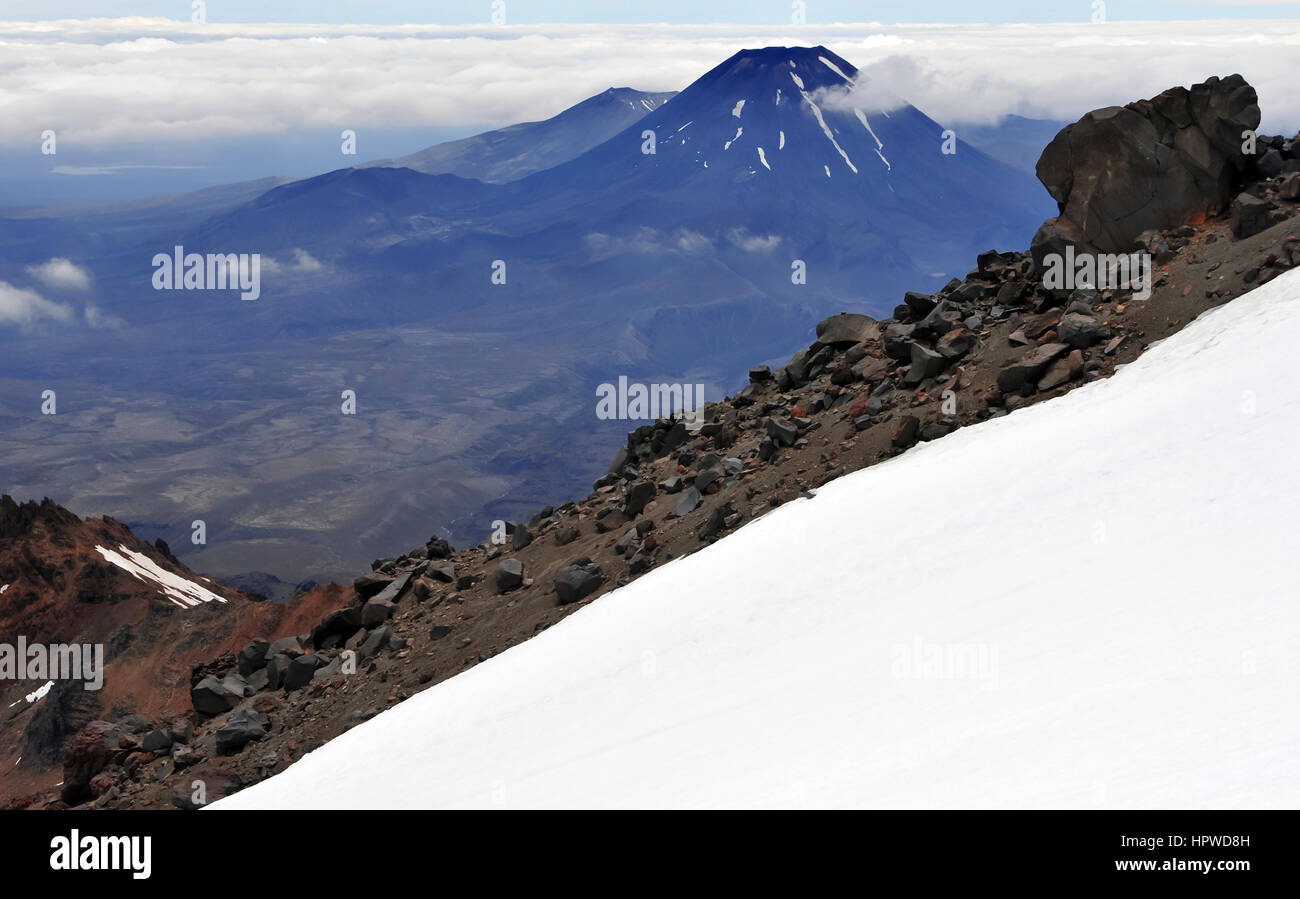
(1089, 603)
(181, 592)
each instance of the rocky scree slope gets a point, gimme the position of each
(64, 580)
(863, 392)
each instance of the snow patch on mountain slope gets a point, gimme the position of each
(1086, 603)
(182, 592)
(862, 117)
(762, 157)
(36, 695)
(834, 68)
(735, 111)
(825, 128)
(739, 132)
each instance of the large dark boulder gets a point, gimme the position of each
(253, 656)
(1157, 163)
(212, 695)
(579, 580)
(240, 729)
(369, 585)
(301, 670)
(338, 625)
(1030, 367)
(639, 493)
(1250, 215)
(846, 329)
(509, 575)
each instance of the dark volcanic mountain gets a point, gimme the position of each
(509, 154)
(760, 165)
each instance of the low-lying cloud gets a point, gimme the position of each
(130, 80)
(25, 308)
(302, 262)
(61, 274)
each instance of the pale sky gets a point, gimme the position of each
(752, 12)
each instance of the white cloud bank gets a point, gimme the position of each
(302, 262)
(61, 274)
(128, 80)
(24, 308)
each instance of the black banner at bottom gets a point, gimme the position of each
(349, 849)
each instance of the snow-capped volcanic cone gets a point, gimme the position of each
(785, 111)
(774, 155)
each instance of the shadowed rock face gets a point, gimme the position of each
(1154, 163)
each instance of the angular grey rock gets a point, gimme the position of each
(156, 741)
(509, 574)
(325, 672)
(370, 584)
(286, 645)
(1081, 330)
(846, 329)
(301, 670)
(920, 304)
(253, 656)
(521, 537)
(671, 484)
(639, 493)
(1030, 367)
(340, 624)
(376, 612)
(689, 502)
(240, 729)
(276, 668)
(444, 571)
(782, 432)
(212, 696)
(578, 580)
(393, 592)
(1250, 215)
(375, 641)
(926, 363)
(870, 368)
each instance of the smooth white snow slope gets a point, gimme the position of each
(1116, 567)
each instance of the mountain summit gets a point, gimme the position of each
(779, 110)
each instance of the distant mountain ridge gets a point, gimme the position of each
(515, 151)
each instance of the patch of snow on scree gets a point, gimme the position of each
(180, 591)
(1085, 603)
